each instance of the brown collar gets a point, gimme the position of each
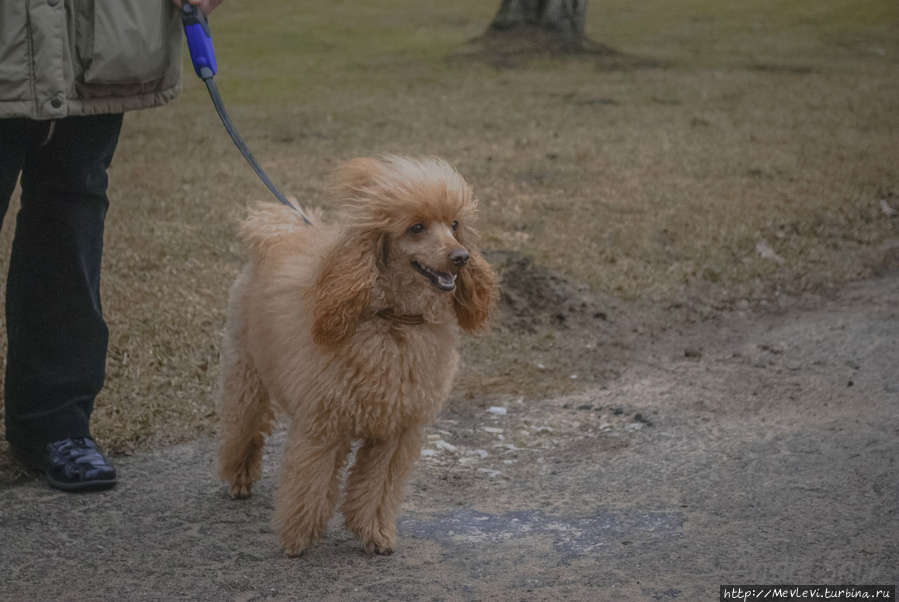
(413, 320)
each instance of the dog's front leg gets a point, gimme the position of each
(374, 489)
(308, 489)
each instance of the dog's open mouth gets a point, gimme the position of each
(442, 280)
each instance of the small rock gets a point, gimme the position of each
(497, 410)
(693, 352)
(638, 417)
(490, 472)
(776, 348)
(445, 446)
(764, 250)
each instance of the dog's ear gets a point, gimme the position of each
(343, 287)
(476, 293)
(352, 178)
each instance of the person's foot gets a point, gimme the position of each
(75, 464)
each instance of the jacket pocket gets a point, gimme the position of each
(131, 42)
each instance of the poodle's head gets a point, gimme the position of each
(408, 243)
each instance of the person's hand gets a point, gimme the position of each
(206, 6)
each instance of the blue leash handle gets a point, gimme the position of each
(199, 43)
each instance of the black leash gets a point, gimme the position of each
(199, 43)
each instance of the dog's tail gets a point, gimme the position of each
(270, 223)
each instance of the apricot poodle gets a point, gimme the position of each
(351, 330)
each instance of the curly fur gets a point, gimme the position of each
(309, 330)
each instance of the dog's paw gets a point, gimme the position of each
(378, 548)
(293, 552)
(240, 477)
(240, 491)
(297, 547)
(377, 541)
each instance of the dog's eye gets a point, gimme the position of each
(417, 228)
(455, 226)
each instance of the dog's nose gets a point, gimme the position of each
(459, 257)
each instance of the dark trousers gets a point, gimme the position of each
(57, 339)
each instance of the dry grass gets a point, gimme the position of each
(767, 121)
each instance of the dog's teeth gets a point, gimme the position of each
(446, 281)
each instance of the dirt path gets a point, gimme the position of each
(736, 450)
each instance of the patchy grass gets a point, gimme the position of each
(766, 121)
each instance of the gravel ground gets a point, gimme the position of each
(737, 450)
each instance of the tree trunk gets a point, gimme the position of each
(558, 23)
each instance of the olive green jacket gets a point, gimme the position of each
(80, 57)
